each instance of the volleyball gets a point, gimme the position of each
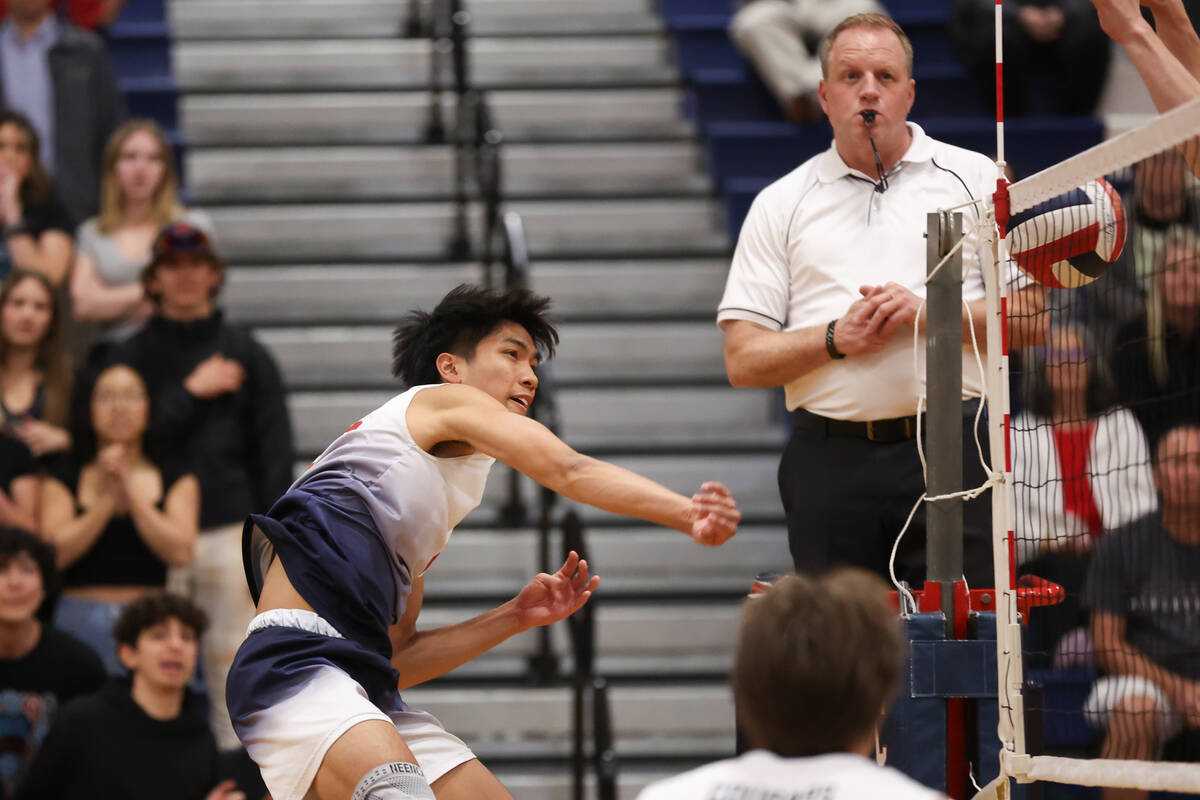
(1069, 240)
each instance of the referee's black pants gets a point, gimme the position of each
(846, 499)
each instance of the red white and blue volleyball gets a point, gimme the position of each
(1069, 240)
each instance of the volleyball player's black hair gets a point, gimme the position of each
(459, 322)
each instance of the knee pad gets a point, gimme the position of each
(398, 780)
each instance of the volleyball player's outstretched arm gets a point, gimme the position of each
(1169, 65)
(464, 414)
(423, 655)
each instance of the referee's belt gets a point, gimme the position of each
(897, 429)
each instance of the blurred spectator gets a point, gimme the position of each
(1144, 591)
(119, 519)
(1157, 355)
(1055, 53)
(35, 377)
(90, 15)
(139, 194)
(141, 739)
(1163, 195)
(35, 225)
(218, 398)
(18, 485)
(41, 668)
(1081, 468)
(63, 79)
(781, 38)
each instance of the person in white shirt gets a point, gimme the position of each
(822, 297)
(817, 662)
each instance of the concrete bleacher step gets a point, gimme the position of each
(641, 560)
(204, 19)
(520, 723)
(647, 639)
(380, 293)
(373, 231)
(360, 356)
(632, 60)
(268, 174)
(594, 418)
(329, 118)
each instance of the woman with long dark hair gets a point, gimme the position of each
(35, 371)
(35, 225)
(119, 519)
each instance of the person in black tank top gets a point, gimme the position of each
(118, 520)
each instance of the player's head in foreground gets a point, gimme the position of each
(817, 662)
(491, 340)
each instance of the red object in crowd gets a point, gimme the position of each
(1074, 449)
(82, 13)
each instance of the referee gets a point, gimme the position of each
(822, 297)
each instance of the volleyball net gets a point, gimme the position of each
(1096, 427)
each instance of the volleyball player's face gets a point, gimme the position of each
(867, 71)
(504, 366)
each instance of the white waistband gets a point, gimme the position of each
(305, 620)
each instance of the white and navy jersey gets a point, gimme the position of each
(416, 499)
(835, 776)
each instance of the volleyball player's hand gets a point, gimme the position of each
(550, 598)
(1120, 18)
(715, 515)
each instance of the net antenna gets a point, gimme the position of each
(1117, 161)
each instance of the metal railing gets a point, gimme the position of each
(582, 626)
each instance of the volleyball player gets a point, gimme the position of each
(336, 565)
(818, 660)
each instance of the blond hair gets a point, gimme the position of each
(165, 205)
(870, 20)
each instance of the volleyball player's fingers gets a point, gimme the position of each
(580, 576)
(570, 565)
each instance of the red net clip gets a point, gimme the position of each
(1000, 199)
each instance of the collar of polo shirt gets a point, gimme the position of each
(831, 167)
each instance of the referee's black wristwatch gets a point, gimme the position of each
(829, 345)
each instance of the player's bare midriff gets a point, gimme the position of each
(278, 592)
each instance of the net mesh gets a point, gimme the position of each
(1105, 455)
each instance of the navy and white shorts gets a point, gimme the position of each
(297, 684)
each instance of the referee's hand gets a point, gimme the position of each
(861, 330)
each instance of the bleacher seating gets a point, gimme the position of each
(749, 144)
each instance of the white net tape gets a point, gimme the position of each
(1163, 132)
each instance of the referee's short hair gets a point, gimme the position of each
(817, 661)
(865, 20)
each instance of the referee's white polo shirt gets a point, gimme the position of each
(816, 235)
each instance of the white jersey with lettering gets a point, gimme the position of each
(416, 499)
(761, 775)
